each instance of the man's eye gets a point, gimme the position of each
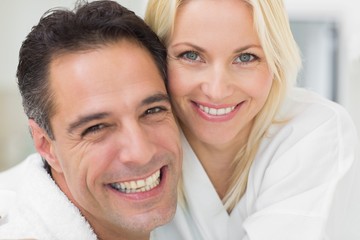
(155, 114)
(93, 129)
(155, 110)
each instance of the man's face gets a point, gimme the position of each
(116, 152)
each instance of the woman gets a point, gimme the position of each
(262, 160)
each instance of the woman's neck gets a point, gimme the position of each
(217, 160)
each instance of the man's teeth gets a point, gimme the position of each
(141, 185)
(216, 111)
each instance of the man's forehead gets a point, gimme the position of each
(105, 79)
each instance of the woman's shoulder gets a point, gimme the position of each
(308, 110)
(312, 134)
(300, 102)
(304, 161)
(308, 122)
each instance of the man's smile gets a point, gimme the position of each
(140, 185)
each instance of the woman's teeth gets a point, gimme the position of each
(140, 185)
(216, 111)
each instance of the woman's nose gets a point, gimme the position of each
(217, 83)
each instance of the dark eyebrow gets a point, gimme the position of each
(82, 120)
(159, 97)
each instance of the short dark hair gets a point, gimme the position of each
(88, 26)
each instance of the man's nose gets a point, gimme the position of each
(137, 146)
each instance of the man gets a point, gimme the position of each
(92, 83)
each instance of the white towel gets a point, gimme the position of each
(32, 206)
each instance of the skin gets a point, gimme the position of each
(113, 123)
(216, 60)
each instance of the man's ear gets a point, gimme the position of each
(44, 145)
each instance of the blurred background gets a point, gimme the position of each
(327, 32)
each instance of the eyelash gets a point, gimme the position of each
(155, 110)
(253, 58)
(183, 56)
(93, 129)
(99, 127)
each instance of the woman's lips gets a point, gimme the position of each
(216, 113)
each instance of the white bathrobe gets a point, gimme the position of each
(300, 170)
(33, 207)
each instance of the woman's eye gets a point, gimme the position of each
(190, 55)
(93, 129)
(246, 58)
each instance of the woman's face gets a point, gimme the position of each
(218, 75)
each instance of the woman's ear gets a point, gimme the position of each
(44, 145)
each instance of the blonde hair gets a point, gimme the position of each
(282, 55)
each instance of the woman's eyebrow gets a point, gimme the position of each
(197, 48)
(241, 49)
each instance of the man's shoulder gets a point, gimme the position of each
(13, 224)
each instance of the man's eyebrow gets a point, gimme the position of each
(159, 97)
(82, 120)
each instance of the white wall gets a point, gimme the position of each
(346, 13)
(16, 19)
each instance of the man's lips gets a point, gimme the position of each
(139, 185)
